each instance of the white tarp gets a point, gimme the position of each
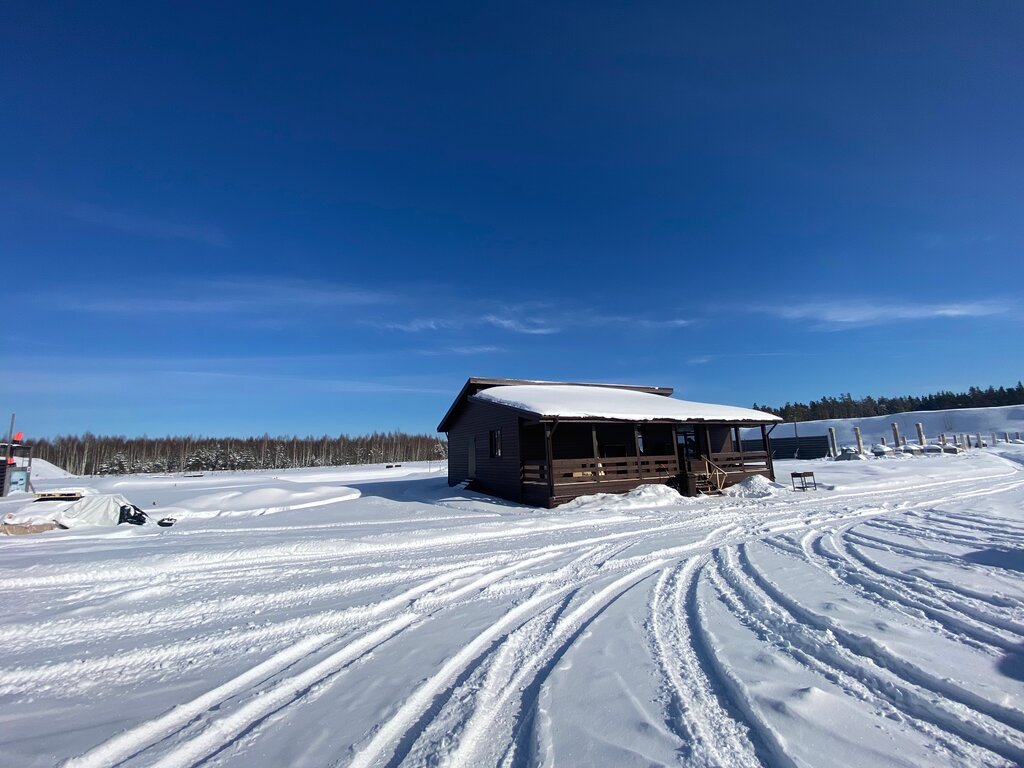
(98, 509)
(581, 402)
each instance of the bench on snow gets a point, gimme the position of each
(803, 477)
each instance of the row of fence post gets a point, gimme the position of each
(961, 441)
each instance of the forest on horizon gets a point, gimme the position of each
(90, 454)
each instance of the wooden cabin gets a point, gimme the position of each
(545, 442)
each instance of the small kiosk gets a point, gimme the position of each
(16, 469)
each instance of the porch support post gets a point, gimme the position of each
(636, 449)
(675, 447)
(549, 455)
(768, 452)
(597, 453)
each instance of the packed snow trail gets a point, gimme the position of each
(412, 624)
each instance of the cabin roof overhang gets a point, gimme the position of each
(564, 402)
(477, 384)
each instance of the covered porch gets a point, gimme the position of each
(563, 459)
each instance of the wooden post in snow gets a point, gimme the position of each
(896, 435)
(920, 433)
(942, 439)
(994, 441)
(860, 440)
(883, 439)
(833, 444)
(978, 436)
(1006, 437)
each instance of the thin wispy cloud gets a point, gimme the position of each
(421, 324)
(840, 315)
(467, 350)
(673, 322)
(705, 359)
(144, 225)
(326, 384)
(532, 322)
(242, 296)
(429, 324)
(528, 325)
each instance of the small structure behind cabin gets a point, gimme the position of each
(544, 443)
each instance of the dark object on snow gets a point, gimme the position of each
(803, 477)
(132, 515)
(848, 454)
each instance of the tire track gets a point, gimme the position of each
(512, 677)
(997, 601)
(819, 653)
(935, 598)
(910, 604)
(714, 736)
(921, 695)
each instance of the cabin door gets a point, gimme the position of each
(472, 458)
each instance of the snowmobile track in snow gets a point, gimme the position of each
(538, 586)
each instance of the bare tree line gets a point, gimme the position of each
(90, 454)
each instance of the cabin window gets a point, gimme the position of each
(495, 443)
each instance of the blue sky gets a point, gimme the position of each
(231, 219)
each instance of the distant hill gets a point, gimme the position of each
(999, 419)
(847, 407)
(44, 470)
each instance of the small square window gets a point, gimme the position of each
(495, 443)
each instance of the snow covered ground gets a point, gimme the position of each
(364, 616)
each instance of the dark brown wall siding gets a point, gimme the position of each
(458, 457)
(499, 476)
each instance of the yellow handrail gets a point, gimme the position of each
(719, 474)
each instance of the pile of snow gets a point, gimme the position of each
(641, 497)
(261, 501)
(849, 454)
(754, 487)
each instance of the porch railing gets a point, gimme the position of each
(731, 462)
(578, 471)
(573, 471)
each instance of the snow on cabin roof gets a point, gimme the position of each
(571, 401)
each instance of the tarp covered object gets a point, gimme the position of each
(98, 509)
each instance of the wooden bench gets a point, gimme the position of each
(803, 477)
